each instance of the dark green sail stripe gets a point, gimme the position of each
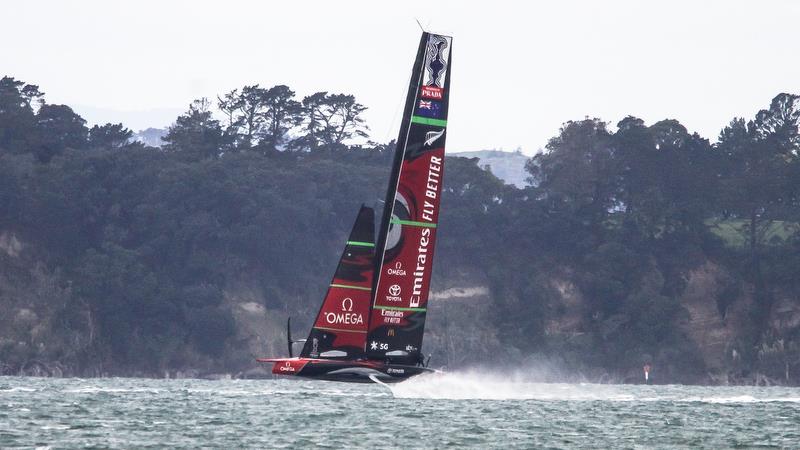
(347, 286)
(428, 121)
(361, 244)
(398, 308)
(413, 223)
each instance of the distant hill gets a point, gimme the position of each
(508, 166)
(133, 119)
(152, 137)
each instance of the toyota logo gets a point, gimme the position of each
(394, 290)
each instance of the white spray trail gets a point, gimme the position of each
(488, 386)
(493, 386)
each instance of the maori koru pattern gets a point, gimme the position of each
(436, 63)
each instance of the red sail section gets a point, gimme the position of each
(406, 249)
(341, 326)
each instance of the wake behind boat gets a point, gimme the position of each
(371, 322)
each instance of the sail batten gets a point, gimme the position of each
(347, 286)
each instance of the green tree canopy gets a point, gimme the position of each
(109, 136)
(196, 134)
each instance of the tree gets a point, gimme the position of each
(346, 121)
(314, 122)
(662, 171)
(331, 119)
(109, 136)
(260, 117)
(760, 155)
(252, 103)
(58, 128)
(17, 114)
(577, 171)
(282, 114)
(229, 105)
(196, 134)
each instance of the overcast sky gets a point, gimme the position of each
(520, 69)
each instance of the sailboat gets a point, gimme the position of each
(371, 322)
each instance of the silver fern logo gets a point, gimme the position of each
(433, 136)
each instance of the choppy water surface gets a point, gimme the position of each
(438, 411)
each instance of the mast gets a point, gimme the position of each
(399, 152)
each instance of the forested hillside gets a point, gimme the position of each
(635, 243)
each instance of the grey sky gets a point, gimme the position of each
(520, 69)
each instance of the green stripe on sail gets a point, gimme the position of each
(398, 308)
(428, 121)
(413, 223)
(342, 329)
(347, 286)
(361, 244)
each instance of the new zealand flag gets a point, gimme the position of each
(429, 108)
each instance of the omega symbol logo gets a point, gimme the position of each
(396, 270)
(394, 290)
(347, 304)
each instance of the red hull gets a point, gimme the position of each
(360, 371)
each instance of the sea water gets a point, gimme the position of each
(467, 410)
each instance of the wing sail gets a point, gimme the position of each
(409, 224)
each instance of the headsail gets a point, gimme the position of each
(341, 326)
(408, 229)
